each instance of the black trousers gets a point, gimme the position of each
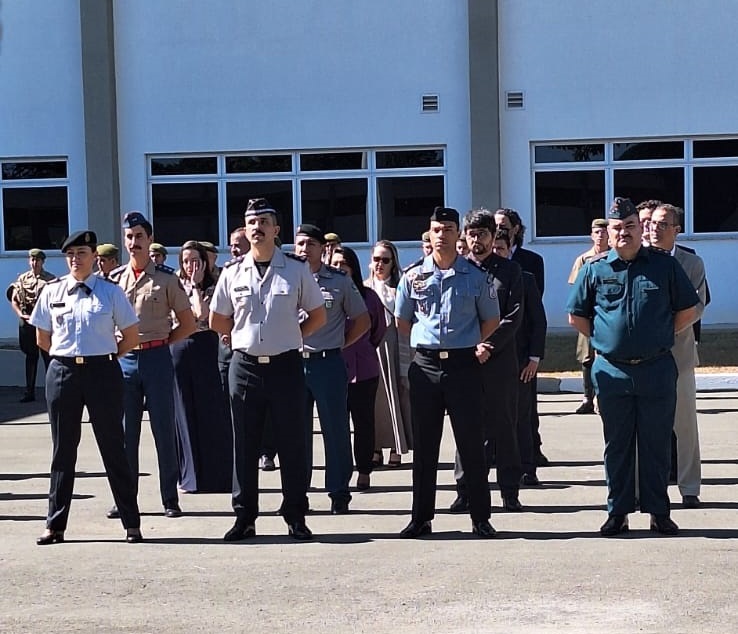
(436, 386)
(500, 421)
(258, 390)
(361, 399)
(526, 443)
(27, 344)
(98, 385)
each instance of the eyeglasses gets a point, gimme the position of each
(376, 258)
(478, 234)
(660, 225)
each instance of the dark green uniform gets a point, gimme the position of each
(631, 306)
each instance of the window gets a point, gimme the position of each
(362, 195)
(35, 204)
(575, 183)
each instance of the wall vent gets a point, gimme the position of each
(515, 100)
(430, 103)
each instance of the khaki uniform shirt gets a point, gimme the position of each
(155, 295)
(26, 288)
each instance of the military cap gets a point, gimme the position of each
(133, 219)
(208, 246)
(155, 247)
(332, 237)
(84, 238)
(621, 209)
(311, 231)
(599, 223)
(107, 250)
(258, 206)
(426, 236)
(445, 214)
(36, 253)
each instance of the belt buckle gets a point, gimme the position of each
(263, 360)
(305, 355)
(79, 360)
(443, 354)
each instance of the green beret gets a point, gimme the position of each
(158, 248)
(208, 246)
(599, 223)
(332, 237)
(426, 236)
(107, 250)
(36, 253)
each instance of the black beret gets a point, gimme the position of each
(621, 209)
(84, 238)
(445, 214)
(311, 231)
(258, 206)
(134, 219)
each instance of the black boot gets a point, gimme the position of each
(587, 406)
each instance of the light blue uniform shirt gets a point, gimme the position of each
(82, 324)
(265, 311)
(447, 307)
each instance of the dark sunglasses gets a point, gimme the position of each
(376, 258)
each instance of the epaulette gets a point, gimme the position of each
(107, 279)
(233, 261)
(116, 272)
(654, 249)
(165, 269)
(56, 280)
(413, 265)
(294, 256)
(599, 256)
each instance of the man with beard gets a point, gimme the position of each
(499, 359)
(631, 302)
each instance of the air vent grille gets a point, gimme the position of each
(430, 103)
(515, 99)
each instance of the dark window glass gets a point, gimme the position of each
(569, 153)
(567, 202)
(185, 211)
(193, 165)
(35, 169)
(666, 183)
(279, 195)
(258, 164)
(648, 151)
(410, 158)
(35, 217)
(715, 149)
(337, 205)
(333, 161)
(405, 204)
(715, 199)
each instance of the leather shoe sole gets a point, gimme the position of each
(459, 505)
(416, 529)
(484, 529)
(299, 531)
(239, 532)
(663, 525)
(614, 525)
(50, 537)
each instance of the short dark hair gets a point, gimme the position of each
(479, 219)
(353, 261)
(515, 221)
(504, 235)
(207, 279)
(649, 204)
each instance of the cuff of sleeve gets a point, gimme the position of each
(536, 359)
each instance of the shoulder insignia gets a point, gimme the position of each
(116, 272)
(165, 269)
(56, 280)
(107, 279)
(654, 249)
(294, 256)
(413, 265)
(599, 256)
(233, 261)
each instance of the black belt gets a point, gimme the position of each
(636, 361)
(321, 354)
(99, 358)
(452, 353)
(265, 359)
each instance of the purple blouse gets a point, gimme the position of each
(360, 357)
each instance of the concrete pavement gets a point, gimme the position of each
(548, 571)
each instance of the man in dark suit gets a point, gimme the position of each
(499, 364)
(530, 261)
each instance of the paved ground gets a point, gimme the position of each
(547, 572)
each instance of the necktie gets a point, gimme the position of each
(79, 285)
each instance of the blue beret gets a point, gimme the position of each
(134, 219)
(258, 206)
(621, 209)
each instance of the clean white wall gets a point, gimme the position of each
(235, 76)
(41, 112)
(596, 69)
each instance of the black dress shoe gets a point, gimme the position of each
(530, 480)
(587, 407)
(299, 531)
(511, 503)
(663, 524)
(239, 531)
(691, 502)
(113, 513)
(416, 529)
(483, 529)
(339, 507)
(50, 537)
(172, 510)
(542, 461)
(460, 504)
(134, 537)
(614, 525)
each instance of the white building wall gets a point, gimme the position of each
(41, 112)
(596, 69)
